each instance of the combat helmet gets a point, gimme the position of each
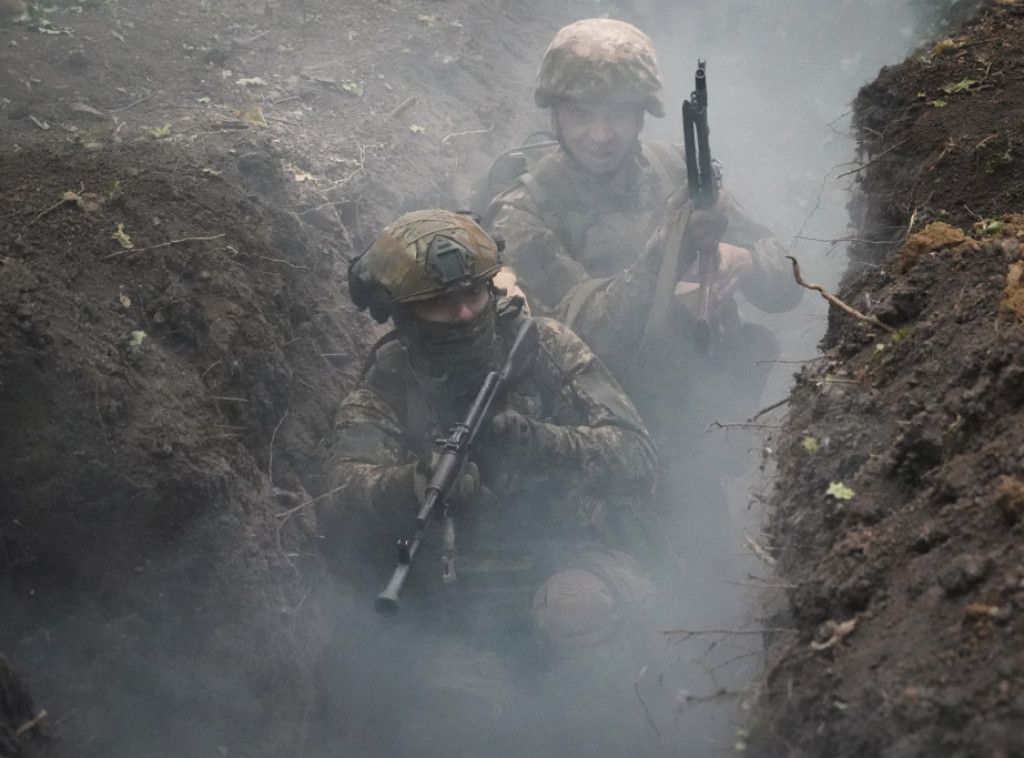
(604, 59)
(421, 255)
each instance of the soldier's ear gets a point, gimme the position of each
(366, 292)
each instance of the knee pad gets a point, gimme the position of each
(574, 608)
(584, 605)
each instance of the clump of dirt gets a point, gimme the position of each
(943, 135)
(896, 519)
(171, 352)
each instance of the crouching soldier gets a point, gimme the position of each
(531, 558)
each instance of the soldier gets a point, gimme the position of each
(555, 484)
(587, 226)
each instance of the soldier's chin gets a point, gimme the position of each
(601, 163)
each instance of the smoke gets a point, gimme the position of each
(781, 77)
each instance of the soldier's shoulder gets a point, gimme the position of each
(562, 343)
(386, 370)
(516, 195)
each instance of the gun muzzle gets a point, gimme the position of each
(386, 603)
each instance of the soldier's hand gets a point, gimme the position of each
(704, 230)
(513, 438)
(692, 229)
(734, 264)
(464, 493)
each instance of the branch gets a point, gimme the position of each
(162, 244)
(835, 300)
(31, 723)
(688, 633)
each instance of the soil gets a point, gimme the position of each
(896, 521)
(175, 338)
(176, 335)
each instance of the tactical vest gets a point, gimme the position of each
(605, 231)
(504, 548)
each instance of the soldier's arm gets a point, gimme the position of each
(769, 285)
(609, 315)
(543, 266)
(595, 436)
(371, 486)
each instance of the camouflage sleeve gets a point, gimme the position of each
(545, 269)
(372, 485)
(608, 314)
(595, 434)
(771, 287)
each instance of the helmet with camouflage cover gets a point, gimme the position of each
(603, 59)
(421, 255)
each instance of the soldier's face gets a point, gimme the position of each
(598, 135)
(453, 307)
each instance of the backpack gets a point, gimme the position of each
(505, 171)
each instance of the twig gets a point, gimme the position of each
(718, 694)
(270, 457)
(283, 517)
(771, 407)
(249, 41)
(720, 425)
(875, 158)
(760, 585)
(31, 723)
(643, 703)
(203, 375)
(53, 207)
(843, 239)
(835, 300)
(834, 380)
(688, 633)
(758, 550)
(131, 105)
(405, 105)
(784, 363)
(162, 244)
(466, 134)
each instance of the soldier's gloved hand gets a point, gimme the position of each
(516, 439)
(464, 493)
(704, 230)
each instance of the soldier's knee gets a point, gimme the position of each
(588, 603)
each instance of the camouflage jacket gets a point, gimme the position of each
(599, 454)
(573, 242)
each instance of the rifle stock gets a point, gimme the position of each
(454, 452)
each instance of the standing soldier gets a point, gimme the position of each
(588, 225)
(552, 493)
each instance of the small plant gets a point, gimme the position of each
(999, 161)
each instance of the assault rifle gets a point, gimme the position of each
(454, 450)
(702, 177)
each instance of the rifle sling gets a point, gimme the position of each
(657, 327)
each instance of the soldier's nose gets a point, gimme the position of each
(600, 131)
(462, 310)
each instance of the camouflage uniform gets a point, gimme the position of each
(564, 462)
(598, 454)
(540, 524)
(579, 245)
(577, 241)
